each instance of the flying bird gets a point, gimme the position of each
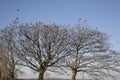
(18, 9)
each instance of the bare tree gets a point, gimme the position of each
(7, 47)
(41, 46)
(89, 52)
(7, 56)
(3, 66)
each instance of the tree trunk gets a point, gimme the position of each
(41, 74)
(0, 74)
(12, 76)
(74, 72)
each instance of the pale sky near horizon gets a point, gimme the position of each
(103, 14)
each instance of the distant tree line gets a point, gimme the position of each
(42, 47)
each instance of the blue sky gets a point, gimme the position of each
(103, 14)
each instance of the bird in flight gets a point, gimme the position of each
(18, 9)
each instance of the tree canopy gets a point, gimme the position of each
(44, 46)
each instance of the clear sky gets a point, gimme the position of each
(103, 14)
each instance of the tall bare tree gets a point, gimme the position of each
(89, 52)
(41, 46)
(3, 67)
(7, 47)
(7, 54)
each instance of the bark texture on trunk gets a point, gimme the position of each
(74, 72)
(12, 76)
(41, 74)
